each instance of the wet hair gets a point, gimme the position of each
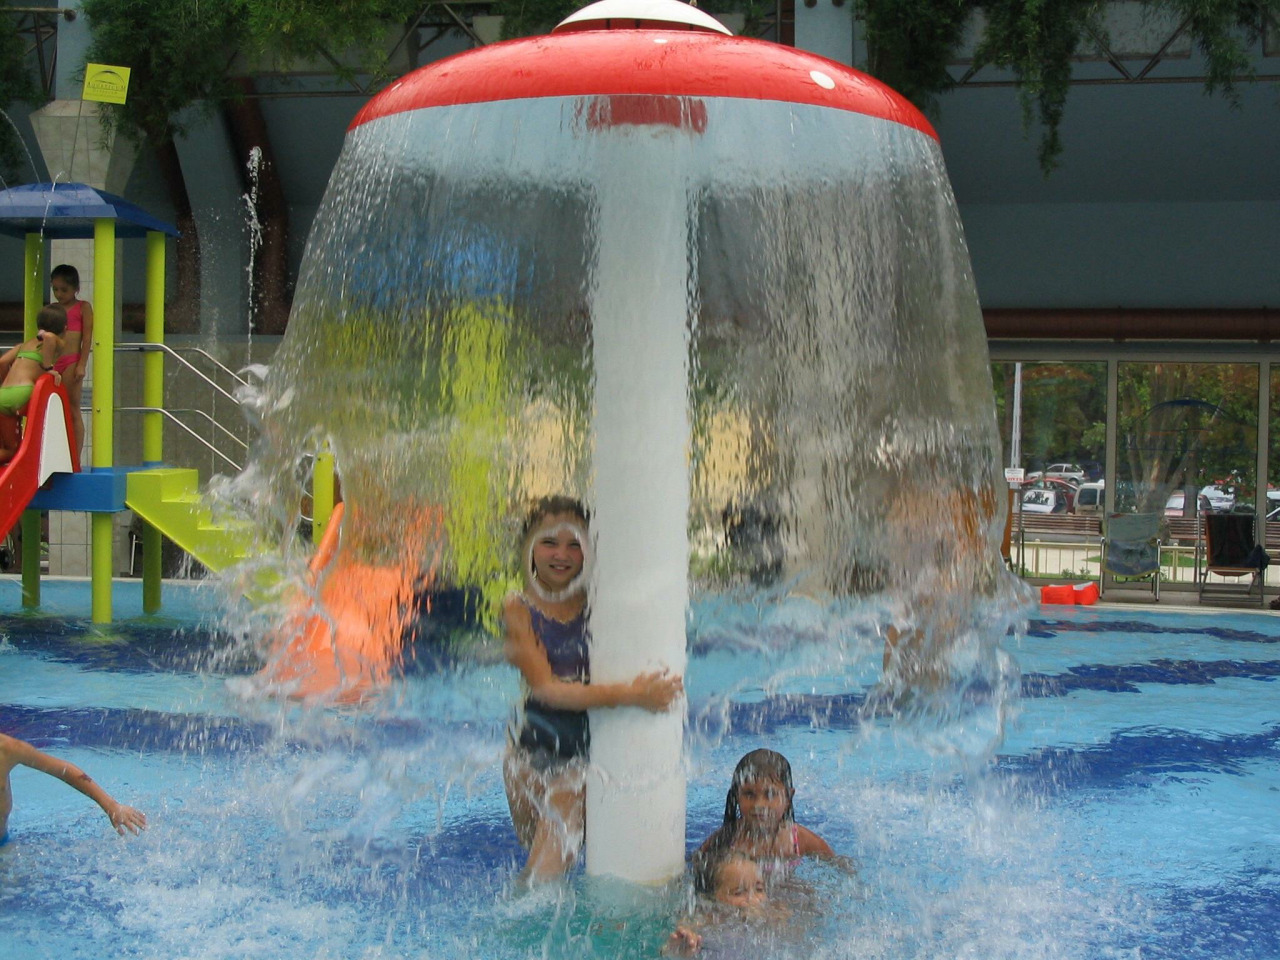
(52, 319)
(757, 765)
(706, 870)
(65, 271)
(549, 507)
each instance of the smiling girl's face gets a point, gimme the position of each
(557, 554)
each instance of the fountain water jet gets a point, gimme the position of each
(560, 264)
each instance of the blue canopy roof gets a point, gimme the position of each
(66, 211)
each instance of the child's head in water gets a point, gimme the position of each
(760, 797)
(555, 548)
(734, 880)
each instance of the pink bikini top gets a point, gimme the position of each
(75, 317)
(784, 865)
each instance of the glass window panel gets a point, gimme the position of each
(1063, 416)
(1187, 438)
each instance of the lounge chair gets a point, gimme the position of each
(1131, 548)
(1231, 551)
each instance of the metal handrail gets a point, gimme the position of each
(163, 348)
(199, 439)
(200, 413)
(215, 361)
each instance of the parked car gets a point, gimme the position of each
(1090, 498)
(1217, 499)
(1273, 506)
(1040, 500)
(1064, 488)
(1210, 499)
(1065, 471)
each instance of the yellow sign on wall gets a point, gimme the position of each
(105, 83)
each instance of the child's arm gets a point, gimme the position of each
(653, 691)
(86, 338)
(809, 844)
(50, 348)
(122, 818)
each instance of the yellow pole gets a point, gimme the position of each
(33, 300)
(104, 349)
(321, 495)
(153, 423)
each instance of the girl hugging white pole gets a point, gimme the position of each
(640, 321)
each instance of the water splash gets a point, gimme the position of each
(254, 224)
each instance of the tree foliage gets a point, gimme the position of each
(911, 44)
(1179, 424)
(181, 51)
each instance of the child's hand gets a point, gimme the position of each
(683, 943)
(127, 818)
(57, 377)
(656, 691)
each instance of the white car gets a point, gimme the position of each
(1090, 498)
(1043, 501)
(1219, 500)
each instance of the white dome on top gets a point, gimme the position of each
(636, 14)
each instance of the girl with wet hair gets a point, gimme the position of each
(548, 641)
(759, 818)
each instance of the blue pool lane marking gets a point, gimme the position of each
(1139, 756)
(1192, 626)
(1125, 678)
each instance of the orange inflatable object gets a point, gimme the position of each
(1086, 593)
(1055, 593)
(345, 647)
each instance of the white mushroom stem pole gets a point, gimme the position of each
(640, 337)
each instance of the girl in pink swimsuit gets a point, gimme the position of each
(759, 819)
(64, 280)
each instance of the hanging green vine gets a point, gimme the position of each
(1223, 30)
(1036, 40)
(913, 44)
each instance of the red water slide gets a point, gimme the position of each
(46, 449)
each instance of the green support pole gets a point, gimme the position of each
(153, 423)
(33, 300)
(104, 348)
(321, 495)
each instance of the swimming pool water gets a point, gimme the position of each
(1132, 810)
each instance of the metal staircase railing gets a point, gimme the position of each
(218, 429)
(169, 414)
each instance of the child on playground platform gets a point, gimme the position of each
(759, 818)
(64, 280)
(15, 752)
(21, 366)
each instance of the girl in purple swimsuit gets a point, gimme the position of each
(759, 819)
(548, 641)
